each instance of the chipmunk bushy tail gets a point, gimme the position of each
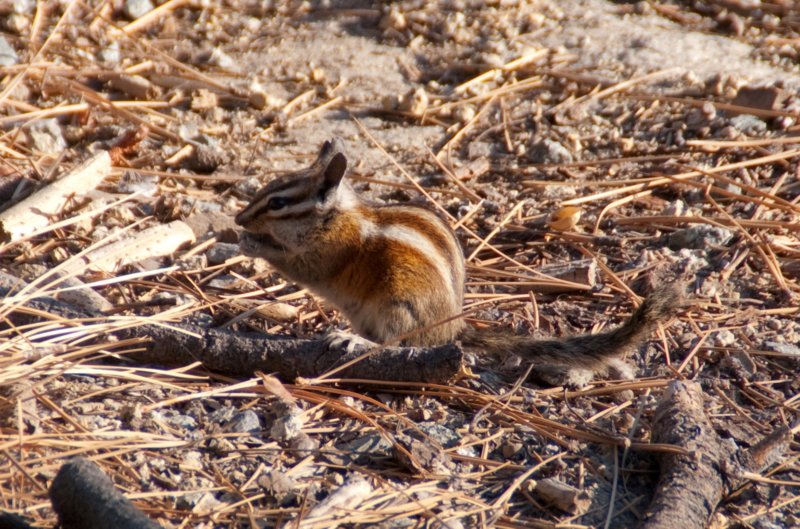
(588, 351)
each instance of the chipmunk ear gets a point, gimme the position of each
(334, 171)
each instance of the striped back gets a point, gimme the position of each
(392, 269)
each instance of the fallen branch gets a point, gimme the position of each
(245, 353)
(692, 485)
(84, 498)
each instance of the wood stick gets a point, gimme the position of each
(150, 17)
(156, 241)
(693, 484)
(34, 212)
(245, 353)
(84, 497)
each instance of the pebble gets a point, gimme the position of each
(110, 55)
(134, 9)
(24, 7)
(373, 444)
(700, 237)
(549, 151)
(278, 485)
(224, 281)
(246, 421)
(8, 55)
(783, 348)
(748, 124)
(222, 60)
(724, 338)
(221, 252)
(177, 420)
(677, 208)
(441, 434)
(46, 136)
(133, 182)
(479, 149)
(206, 157)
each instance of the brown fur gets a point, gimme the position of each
(589, 351)
(383, 266)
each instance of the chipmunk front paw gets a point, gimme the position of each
(347, 341)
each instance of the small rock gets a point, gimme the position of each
(8, 55)
(724, 338)
(206, 505)
(414, 101)
(222, 60)
(783, 348)
(559, 192)
(134, 182)
(110, 55)
(243, 422)
(23, 7)
(366, 446)
(278, 485)
(46, 136)
(440, 433)
(223, 281)
(549, 151)
(479, 149)
(748, 124)
(189, 500)
(700, 237)
(174, 419)
(303, 443)
(765, 98)
(134, 9)
(464, 113)
(676, 208)
(192, 460)
(206, 157)
(511, 449)
(222, 415)
(221, 252)
(288, 424)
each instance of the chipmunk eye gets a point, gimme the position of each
(277, 202)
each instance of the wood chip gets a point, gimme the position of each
(33, 213)
(156, 241)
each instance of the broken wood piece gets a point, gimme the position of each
(152, 16)
(582, 272)
(341, 502)
(33, 213)
(245, 353)
(133, 85)
(78, 294)
(474, 169)
(239, 353)
(561, 495)
(156, 241)
(692, 485)
(761, 98)
(85, 498)
(277, 311)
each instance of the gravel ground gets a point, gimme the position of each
(584, 138)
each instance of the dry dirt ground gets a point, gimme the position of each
(620, 144)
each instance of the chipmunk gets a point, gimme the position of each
(396, 272)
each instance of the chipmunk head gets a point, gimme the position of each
(284, 216)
